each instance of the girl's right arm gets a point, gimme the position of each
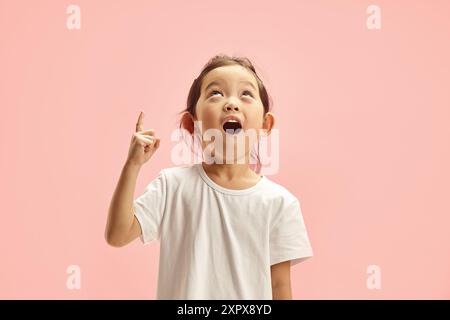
(122, 226)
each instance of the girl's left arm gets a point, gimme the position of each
(281, 281)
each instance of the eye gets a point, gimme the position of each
(210, 94)
(249, 93)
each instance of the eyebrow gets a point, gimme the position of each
(217, 82)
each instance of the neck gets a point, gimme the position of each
(228, 171)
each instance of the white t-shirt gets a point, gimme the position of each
(219, 243)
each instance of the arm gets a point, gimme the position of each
(122, 226)
(281, 281)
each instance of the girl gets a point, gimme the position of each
(225, 231)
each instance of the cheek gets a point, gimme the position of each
(255, 118)
(208, 115)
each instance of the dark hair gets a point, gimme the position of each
(220, 61)
(217, 62)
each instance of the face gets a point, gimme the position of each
(230, 102)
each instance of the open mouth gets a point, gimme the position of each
(232, 126)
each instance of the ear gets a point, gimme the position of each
(187, 122)
(269, 122)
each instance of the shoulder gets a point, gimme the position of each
(285, 206)
(276, 192)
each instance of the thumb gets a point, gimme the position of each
(157, 143)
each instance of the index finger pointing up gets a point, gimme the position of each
(139, 124)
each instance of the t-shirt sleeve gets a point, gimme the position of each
(288, 236)
(149, 209)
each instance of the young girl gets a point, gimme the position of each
(225, 231)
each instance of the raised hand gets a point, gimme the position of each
(143, 144)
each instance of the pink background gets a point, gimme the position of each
(363, 119)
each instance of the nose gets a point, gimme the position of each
(231, 106)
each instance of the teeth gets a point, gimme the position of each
(231, 120)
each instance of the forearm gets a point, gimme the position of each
(120, 214)
(282, 292)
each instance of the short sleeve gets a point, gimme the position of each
(149, 208)
(288, 236)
